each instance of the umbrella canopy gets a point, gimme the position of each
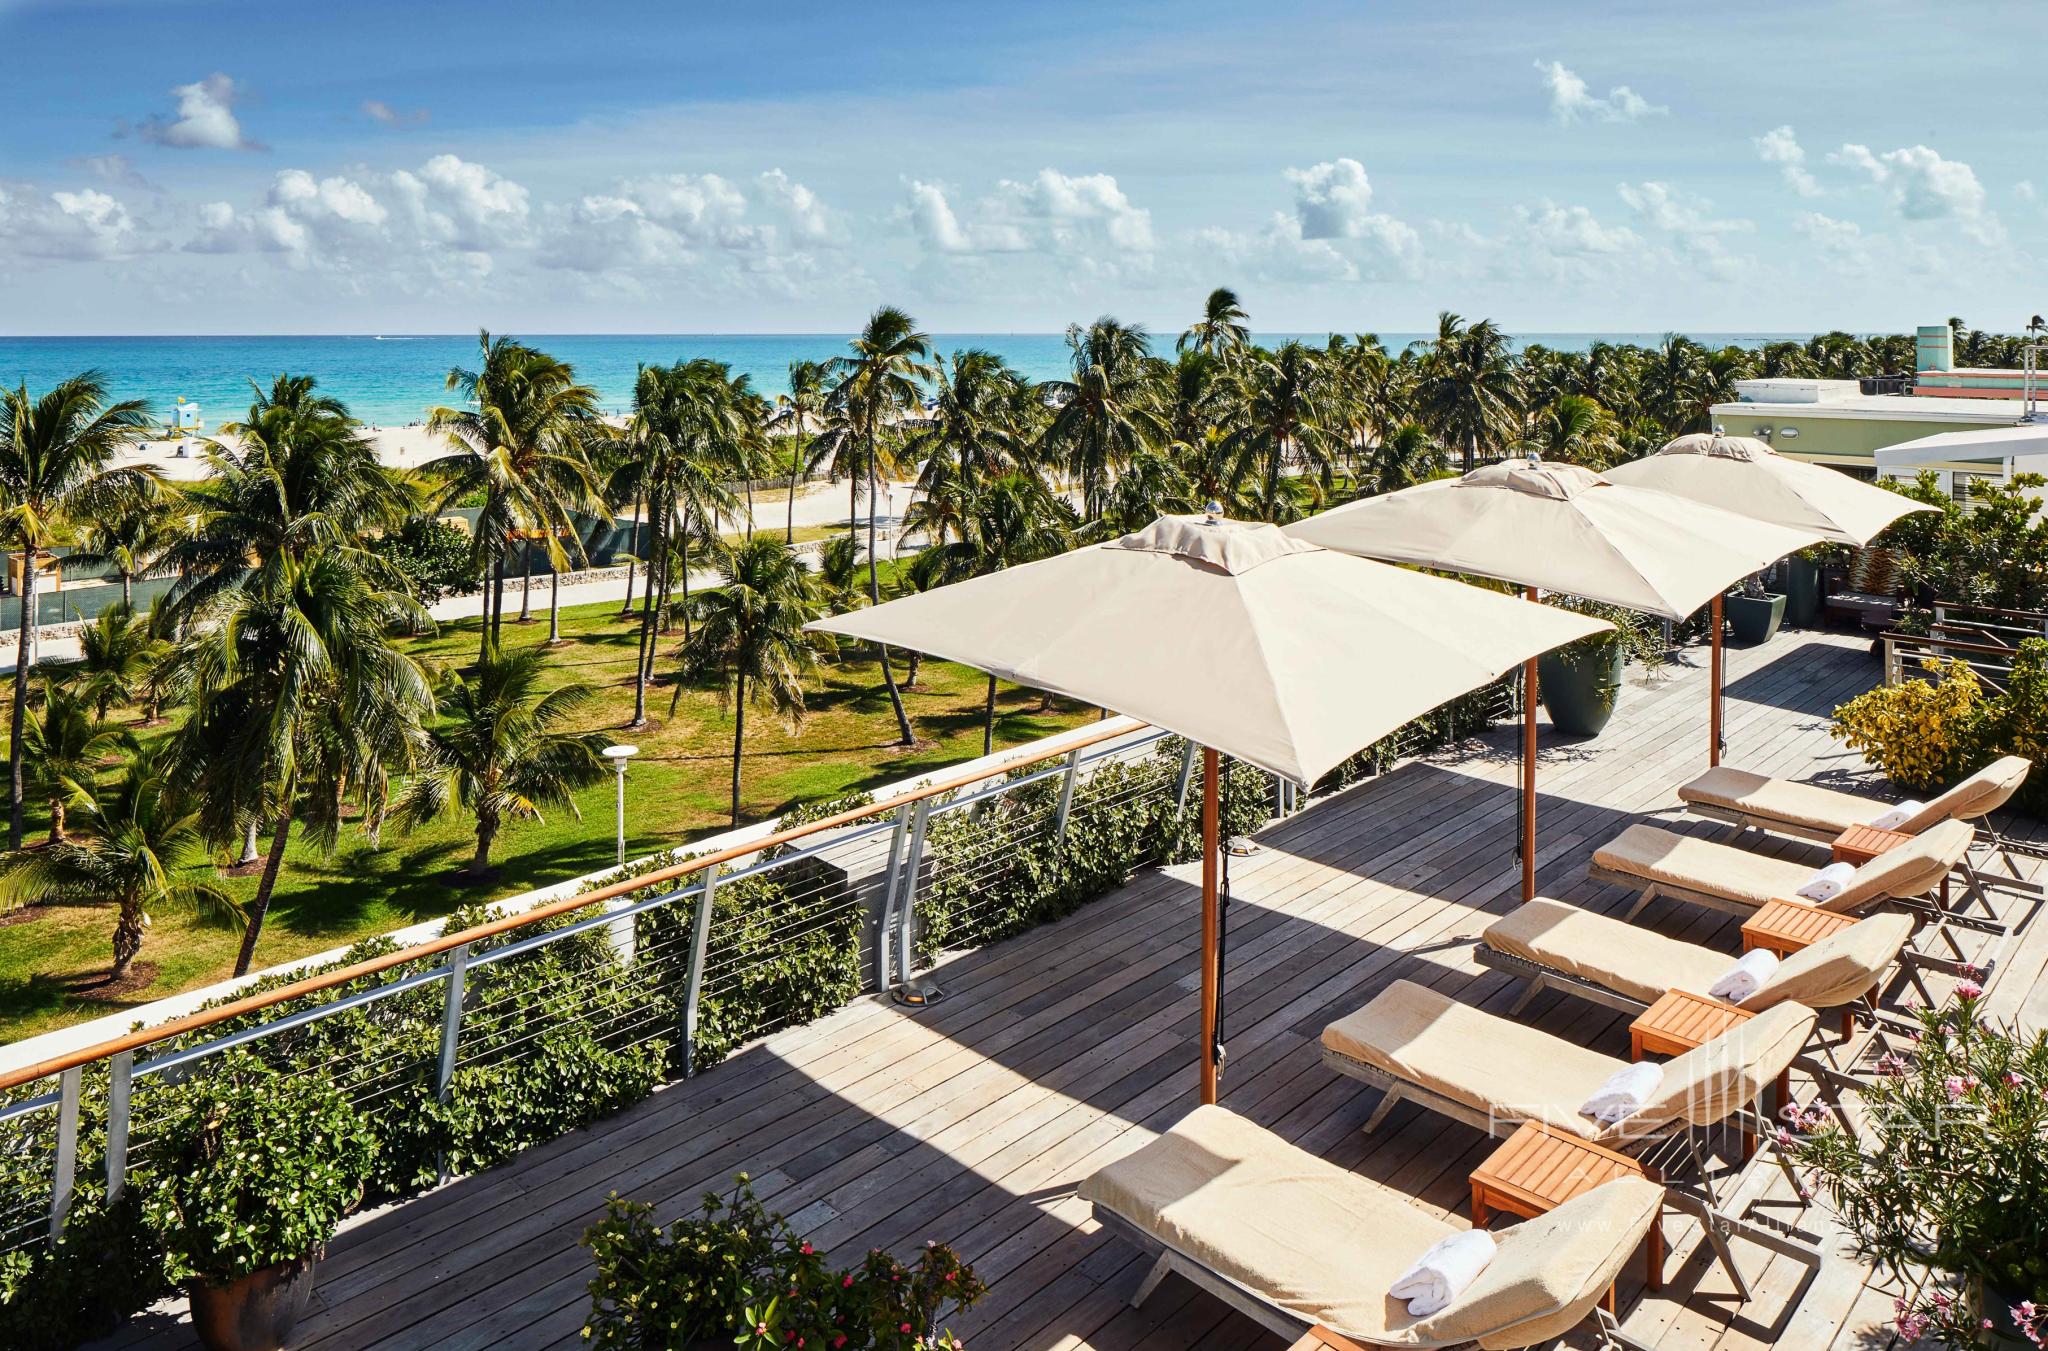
(2024, 443)
(1270, 649)
(1744, 475)
(1562, 528)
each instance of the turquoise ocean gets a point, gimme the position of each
(391, 381)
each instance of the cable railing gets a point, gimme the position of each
(649, 977)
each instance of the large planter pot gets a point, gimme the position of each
(1802, 592)
(259, 1312)
(1753, 619)
(1579, 687)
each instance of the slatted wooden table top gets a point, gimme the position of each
(1320, 1338)
(1860, 844)
(1679, 1021)
(1784, 927)
(1538, 1169)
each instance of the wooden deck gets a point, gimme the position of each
(972, 1121)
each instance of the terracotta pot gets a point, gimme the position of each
(259, 1312)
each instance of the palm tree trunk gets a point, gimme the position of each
(632, 559)
(988, 720)
(903, 732)
(486, 831)
(554, 603)
(750, 510)
(127, 937)
(18, 717)
(739, 736)
(853, 508)
(259, 907)
(128, 591)
(56, 820)
(796, 460)
(646, 631)
(526, 584)
(249, 842)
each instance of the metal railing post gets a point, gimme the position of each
(1187, 775)
(120, 1084)
(907, 911)
(1891, 661)
(892, 870)
(451, 1020)
(693, 988)
(1059, 829)
(64, 1172)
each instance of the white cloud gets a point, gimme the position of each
(463, 204)
(1571, 100)
(2024, 190)
(667, 221)
(807, 218)
(205, 120)
(61, 226)
(1572, 231)
(1051, 212)
(1841, 244)
(1331, 235)
(377, 110)
(312, 220)
(1275, 253)
(1780, 147)
(1923, 186)
(1695, 235)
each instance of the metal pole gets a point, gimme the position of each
(119, 1085)
(1059, 840)
(1187, 773)
(1714, 680)
(621, 814)
(906, 913)
(66, 1169)
(1210, 924)
(1528, 840)
(451, 1020)
(893, 871)
(693, 988)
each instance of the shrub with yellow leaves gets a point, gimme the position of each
(1924, 734)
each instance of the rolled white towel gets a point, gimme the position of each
(1445, 1268)
(1891, 818)
(1746, 977)
(1827, 884)
(1624, 1093)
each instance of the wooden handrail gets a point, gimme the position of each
(1946, 644)
(328, 980)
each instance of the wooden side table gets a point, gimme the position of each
(1681, 1020)
(1860, 844)
(1785, 927)
(1320, 1338)
(1538, 1169)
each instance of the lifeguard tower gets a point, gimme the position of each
(186, 421)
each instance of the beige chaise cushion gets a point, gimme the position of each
(1909, 870)
(1979, 795)
(1325, 1244)
(1712, 1080)
(1781, 801)
(1662, 856)
(1615, 956)
(1839, 969)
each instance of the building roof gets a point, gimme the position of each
(1845, 399)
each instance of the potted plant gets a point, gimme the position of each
(1942, 1183)
(254, 1171)
(1754, 613)
(1801, 574)
(1580, 683)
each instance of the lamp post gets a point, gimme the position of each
(621, 930)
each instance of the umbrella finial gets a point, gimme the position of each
(1215, 512)
(1535, 459)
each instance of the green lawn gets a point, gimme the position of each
(677, 791)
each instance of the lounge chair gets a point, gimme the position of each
(1809, 812)
(1292, 1241)
(1417, 1044)
(1557, 946)
(1723, 877)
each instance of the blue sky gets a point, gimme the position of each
(609, 166)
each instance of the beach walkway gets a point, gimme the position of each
(972, 1121)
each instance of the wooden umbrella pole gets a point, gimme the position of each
(1211, 858)
(1714, 680)
(1529, 774)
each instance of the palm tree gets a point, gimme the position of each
(118, 655)
(1006, 521)
(520, 439)
(972, 431)
(801, 412)
(1283, 410)
(1470, 392)
(65, 743)
(1152, 485)
(285, 672)
(501, 753)
(750, 637)
(1400, 460)
(140, 849)
(1575, 430)
(1223, 326)
(1108, 411)
(880, 381)
(1685, 380)
(56, 467)
(134, 538)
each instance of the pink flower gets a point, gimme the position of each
(805, 1250)
(2012, 1079)
(1955, 1088)
(904, 1328)
(1969, 989)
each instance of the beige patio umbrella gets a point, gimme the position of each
(1246, 642)
(1744, 475)
(1559, 527)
